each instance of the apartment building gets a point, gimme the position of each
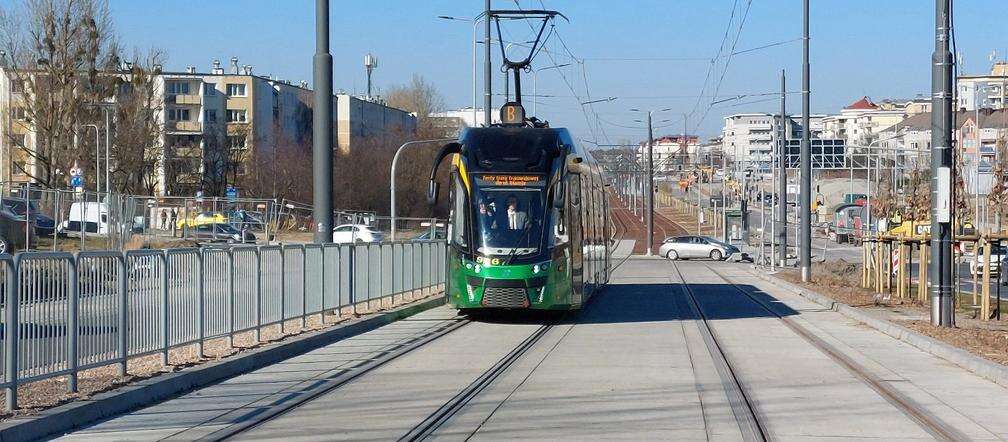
(860, 123)
(750, 138)
(671, 152)
(214, 124)
(15, 131)
(453, 121)
(983, 91)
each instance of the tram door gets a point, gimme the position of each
(576, 238)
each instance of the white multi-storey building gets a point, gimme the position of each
(750, 138)
(983, 91)
(860, 123)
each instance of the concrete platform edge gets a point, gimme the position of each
(984, 368)
(63, 418)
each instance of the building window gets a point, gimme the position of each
(20, 140)
(236, 90)
(209, 89)
(20, 113)
(210, 116)
(177, 87)
(236, 142)
(178, 114)
(236, 116)
(17, 86)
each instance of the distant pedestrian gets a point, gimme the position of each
(164, 219)
(174, 219)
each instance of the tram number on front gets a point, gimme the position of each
(512, 113)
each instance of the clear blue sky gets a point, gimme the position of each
(879, 48)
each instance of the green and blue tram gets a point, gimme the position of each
(528, 223)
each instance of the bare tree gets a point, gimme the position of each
(58, 52)
(419, 97)
(137, 149)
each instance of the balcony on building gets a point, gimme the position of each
(184, 126)
(186, 99)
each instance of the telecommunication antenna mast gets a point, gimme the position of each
(370, 63)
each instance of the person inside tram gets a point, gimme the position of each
(516, 218)
(487, 213)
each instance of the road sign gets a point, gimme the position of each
(199, 196)
(231, 193)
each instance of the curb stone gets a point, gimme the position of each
(984, 368)
(61, 419)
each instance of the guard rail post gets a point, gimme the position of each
(258, 296)
(71, 330)
(304, 287)
(231, 298)
(11, 331)
(122, 321)
(163, 256)
(283, 290)
(201, 308)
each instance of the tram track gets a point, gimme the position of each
(747, 415)
(914, 411)
(428, 426)
(332, 382)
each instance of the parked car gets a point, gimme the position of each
(14, 231)
(42, 223)
(201, 218)
(998, 259)
(438, 234)
(354, 233)
(685, 247)
(221, 232)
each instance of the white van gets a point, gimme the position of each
(91, 217)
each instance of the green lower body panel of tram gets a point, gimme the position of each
(541, 286)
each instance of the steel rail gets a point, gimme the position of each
(445, 412)
(928, 421)
(742, 406)
(326, 385)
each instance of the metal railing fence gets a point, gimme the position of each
(63, 313)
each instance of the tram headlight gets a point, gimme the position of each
(541, 267)
(477, 268)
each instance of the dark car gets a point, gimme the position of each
(43, 224)
(220, 232)
(14, 232)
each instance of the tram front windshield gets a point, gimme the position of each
(509, 220)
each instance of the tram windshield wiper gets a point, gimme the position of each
(522, 239)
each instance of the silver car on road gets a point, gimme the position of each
(685, 247)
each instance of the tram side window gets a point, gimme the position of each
(459, 225)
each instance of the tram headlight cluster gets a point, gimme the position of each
(541, 267)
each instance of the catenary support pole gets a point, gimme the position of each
(806, 159)
(940, 271)
(650, 189)
(781, 226)
(322, 127)
(487, 93)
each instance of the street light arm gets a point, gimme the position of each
(392, 177)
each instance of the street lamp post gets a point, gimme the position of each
(97, 134)
(475, 23)
(392, 179)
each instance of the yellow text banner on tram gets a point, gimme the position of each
(511, 180)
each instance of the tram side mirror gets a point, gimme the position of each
(432, 192)
(575, 164)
